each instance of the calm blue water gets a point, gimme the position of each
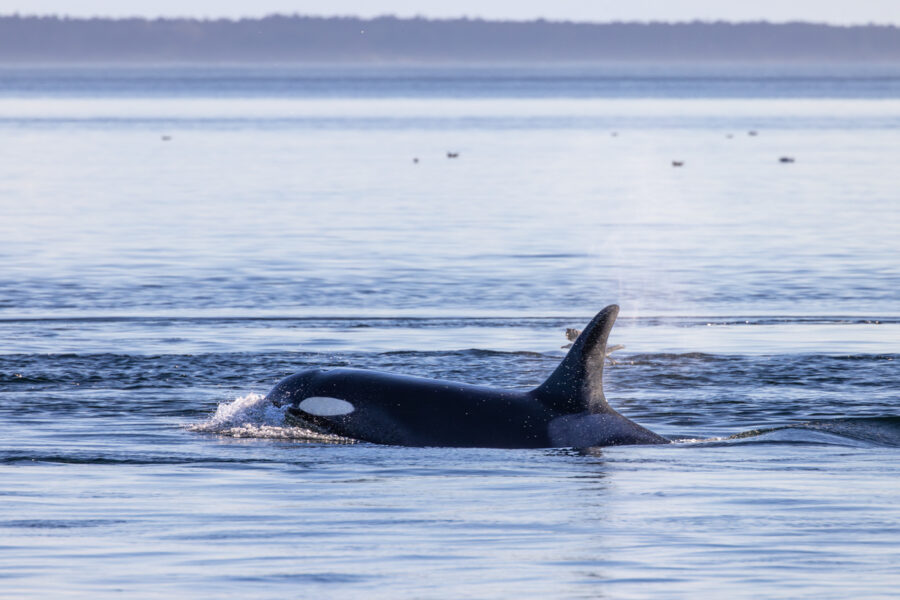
(152, 290)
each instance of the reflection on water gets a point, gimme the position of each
(174, 242)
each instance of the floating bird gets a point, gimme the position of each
(416, 160)
(677, 163)
(572, 335)
(751, 132)
(453, 155)
(786, 159)
(166, 138)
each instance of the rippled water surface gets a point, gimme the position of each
(174, 241)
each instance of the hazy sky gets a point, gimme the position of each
(830, 11)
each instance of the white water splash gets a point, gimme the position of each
(253, 416)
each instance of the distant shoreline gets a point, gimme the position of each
(387, 41)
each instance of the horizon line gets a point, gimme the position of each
(463, 18)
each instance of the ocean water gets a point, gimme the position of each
(173, 241)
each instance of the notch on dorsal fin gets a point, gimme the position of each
(577, 383)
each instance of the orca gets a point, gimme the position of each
(567, 410)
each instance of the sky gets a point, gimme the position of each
(841, 12)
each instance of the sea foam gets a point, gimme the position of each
(254, 416)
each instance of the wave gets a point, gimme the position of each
(860, 432)
(424, 320)
(159, 369)
(667, 391)
(253, 416)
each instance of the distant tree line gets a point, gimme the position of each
(392, 40)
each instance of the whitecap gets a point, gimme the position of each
(254, 416)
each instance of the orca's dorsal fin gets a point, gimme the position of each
(577, 383)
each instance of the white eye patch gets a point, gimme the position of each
(325, 406)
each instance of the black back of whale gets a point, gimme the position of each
(568, 409)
